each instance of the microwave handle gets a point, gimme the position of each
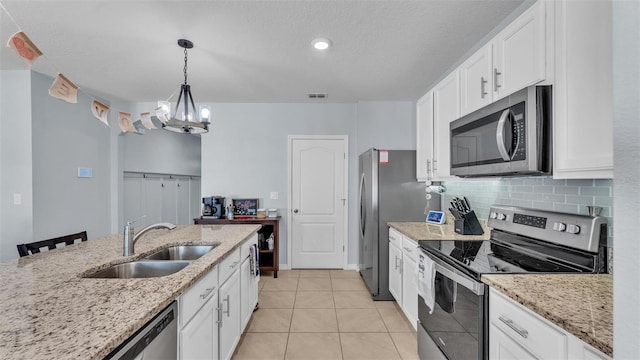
(500, 131)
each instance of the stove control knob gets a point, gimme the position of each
(558, 226)
(493, 215)
(501, 216)
(573, 229)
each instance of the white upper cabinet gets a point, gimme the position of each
(519, 53)
(446, 108)
(563, 43)
(476, 81)
(424, 134)
(583, 112)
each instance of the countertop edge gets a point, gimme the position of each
(536, 306)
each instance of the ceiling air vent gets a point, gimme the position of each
(317, 96)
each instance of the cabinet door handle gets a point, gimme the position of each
(206, 292)
(234, 264)
(483, 93)
(429, 169)
(407, 249)
(522, 332)
(219, 311)
(397, 266)
(228, 312)
(435, 168)
(495, 79)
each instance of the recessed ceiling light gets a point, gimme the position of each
(321, 44)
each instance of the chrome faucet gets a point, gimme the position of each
(130, 239)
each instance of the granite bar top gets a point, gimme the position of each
(427, 231)
(49, 311)
(581, 304)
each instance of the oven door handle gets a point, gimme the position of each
(455, 275)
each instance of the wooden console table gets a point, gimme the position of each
(268, 258)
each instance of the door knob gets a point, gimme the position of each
(295, 211)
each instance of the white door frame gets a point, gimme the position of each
(345, 234)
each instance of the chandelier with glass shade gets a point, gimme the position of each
(184, 119)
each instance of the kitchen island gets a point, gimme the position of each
(50, 311)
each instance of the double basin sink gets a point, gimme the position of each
(161, 263)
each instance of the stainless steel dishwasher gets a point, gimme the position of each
(157, 339)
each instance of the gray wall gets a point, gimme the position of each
(245, 153)
(16, 221)
(626, 189)
(386, 125)
(67, 136)
(43, 142)
(160, 151)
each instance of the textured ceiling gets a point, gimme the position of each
(251, 51)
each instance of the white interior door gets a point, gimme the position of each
(318, 202)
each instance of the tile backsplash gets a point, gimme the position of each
(570, 196)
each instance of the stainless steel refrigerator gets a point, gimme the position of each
(388, 191)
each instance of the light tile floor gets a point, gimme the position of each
(324, 315)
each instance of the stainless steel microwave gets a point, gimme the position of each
(511, 136)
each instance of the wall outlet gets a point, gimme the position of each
(273, 195)
(17, 199)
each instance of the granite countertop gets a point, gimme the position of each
(427, 231)
(49, 311)
(582, 304)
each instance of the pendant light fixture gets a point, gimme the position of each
(185, 118)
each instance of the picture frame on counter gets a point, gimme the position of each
(245, 207)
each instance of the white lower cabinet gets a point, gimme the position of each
(395, 272)
(248, 285)
(199, 338)
(229, 302)
(516, 332)
(410, 290)
(402, 274)
(198, 319)
(211, 318)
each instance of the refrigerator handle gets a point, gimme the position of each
(363, 211)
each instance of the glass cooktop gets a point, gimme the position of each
(493, 256)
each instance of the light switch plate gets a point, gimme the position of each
(274, 195)
(17, 199)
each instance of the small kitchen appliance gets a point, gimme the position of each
(511, 136)
(523, 241)
(213, 207)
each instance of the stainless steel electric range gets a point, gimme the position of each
(522, 241)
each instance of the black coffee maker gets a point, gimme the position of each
(213, 207)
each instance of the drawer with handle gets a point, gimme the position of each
(409, 248)
(246, 246)
(395, 237)
(197, 295)
(229, 265)
(526, 328)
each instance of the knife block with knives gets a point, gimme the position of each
(466, 222)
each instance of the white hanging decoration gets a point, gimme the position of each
(63, 89)
(163, 110)
(145, 118)
(24, 47)
(100, 111)
(124, 121)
